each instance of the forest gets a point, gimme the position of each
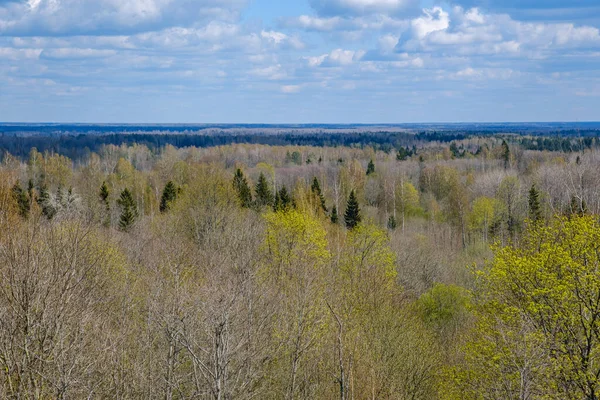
(409, 268)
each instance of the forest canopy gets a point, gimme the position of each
(460, 269)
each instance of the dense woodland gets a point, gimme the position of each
(460, 269)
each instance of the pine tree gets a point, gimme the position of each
(264, 195)
(334, 215)
(45, 202)
(169, 196)
(316, 189)
(242, 189)
(22, 200)
(371, 168)
(285, 199)
(505, 154)
(352, 216)
(535, 209)
(104, 194)
(129, 212)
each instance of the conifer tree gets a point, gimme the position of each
(334, 215)
(104, 194)
(316, 189)
(22, 200)
(505, 154)
(242, 189)
(264, 195)
(129, 212)
(535, 209)
(371, 168)
(284, 199)
(169, 196)
(352, 216)
(45, 202)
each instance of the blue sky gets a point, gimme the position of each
(292, 61)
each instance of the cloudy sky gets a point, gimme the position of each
(281, 61)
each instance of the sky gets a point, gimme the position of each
(299, 61)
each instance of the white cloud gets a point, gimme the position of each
(19, 54)
(60, 17)
(471, 32)
(337, 57)
(291, 88)
(273, 72)
(435, 19)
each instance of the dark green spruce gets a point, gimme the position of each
(240, 184)
(371, 168)
(352, 216)
(535, 208)
(264, 195)
(22, 200)
(316, 189)
(129, 212)
(334, 215)
(168, 197)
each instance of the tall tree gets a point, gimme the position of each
(169, 196)
(264, 195)
(538, 310)
(242, 189)
(505, 154)
(129, 212)
(285, 201)
(22, 200)
(371, 168)
(316, 189)
(535, 208)
(334, 215)
(104, 194)
(352, 216)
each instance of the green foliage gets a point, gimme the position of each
(283, 201)
(392, 223)
(316, 190)
(535, 208)
(371, 168)
(294, 157)
(168, 197)
(538, 314)
(294, 237)
(104, 195)
(443, 304)
(20, 197)
(505, 154)
(129, 212)
(404, 153)
(352, 215)
(264, 194)
(242, 189)
(334, 215)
